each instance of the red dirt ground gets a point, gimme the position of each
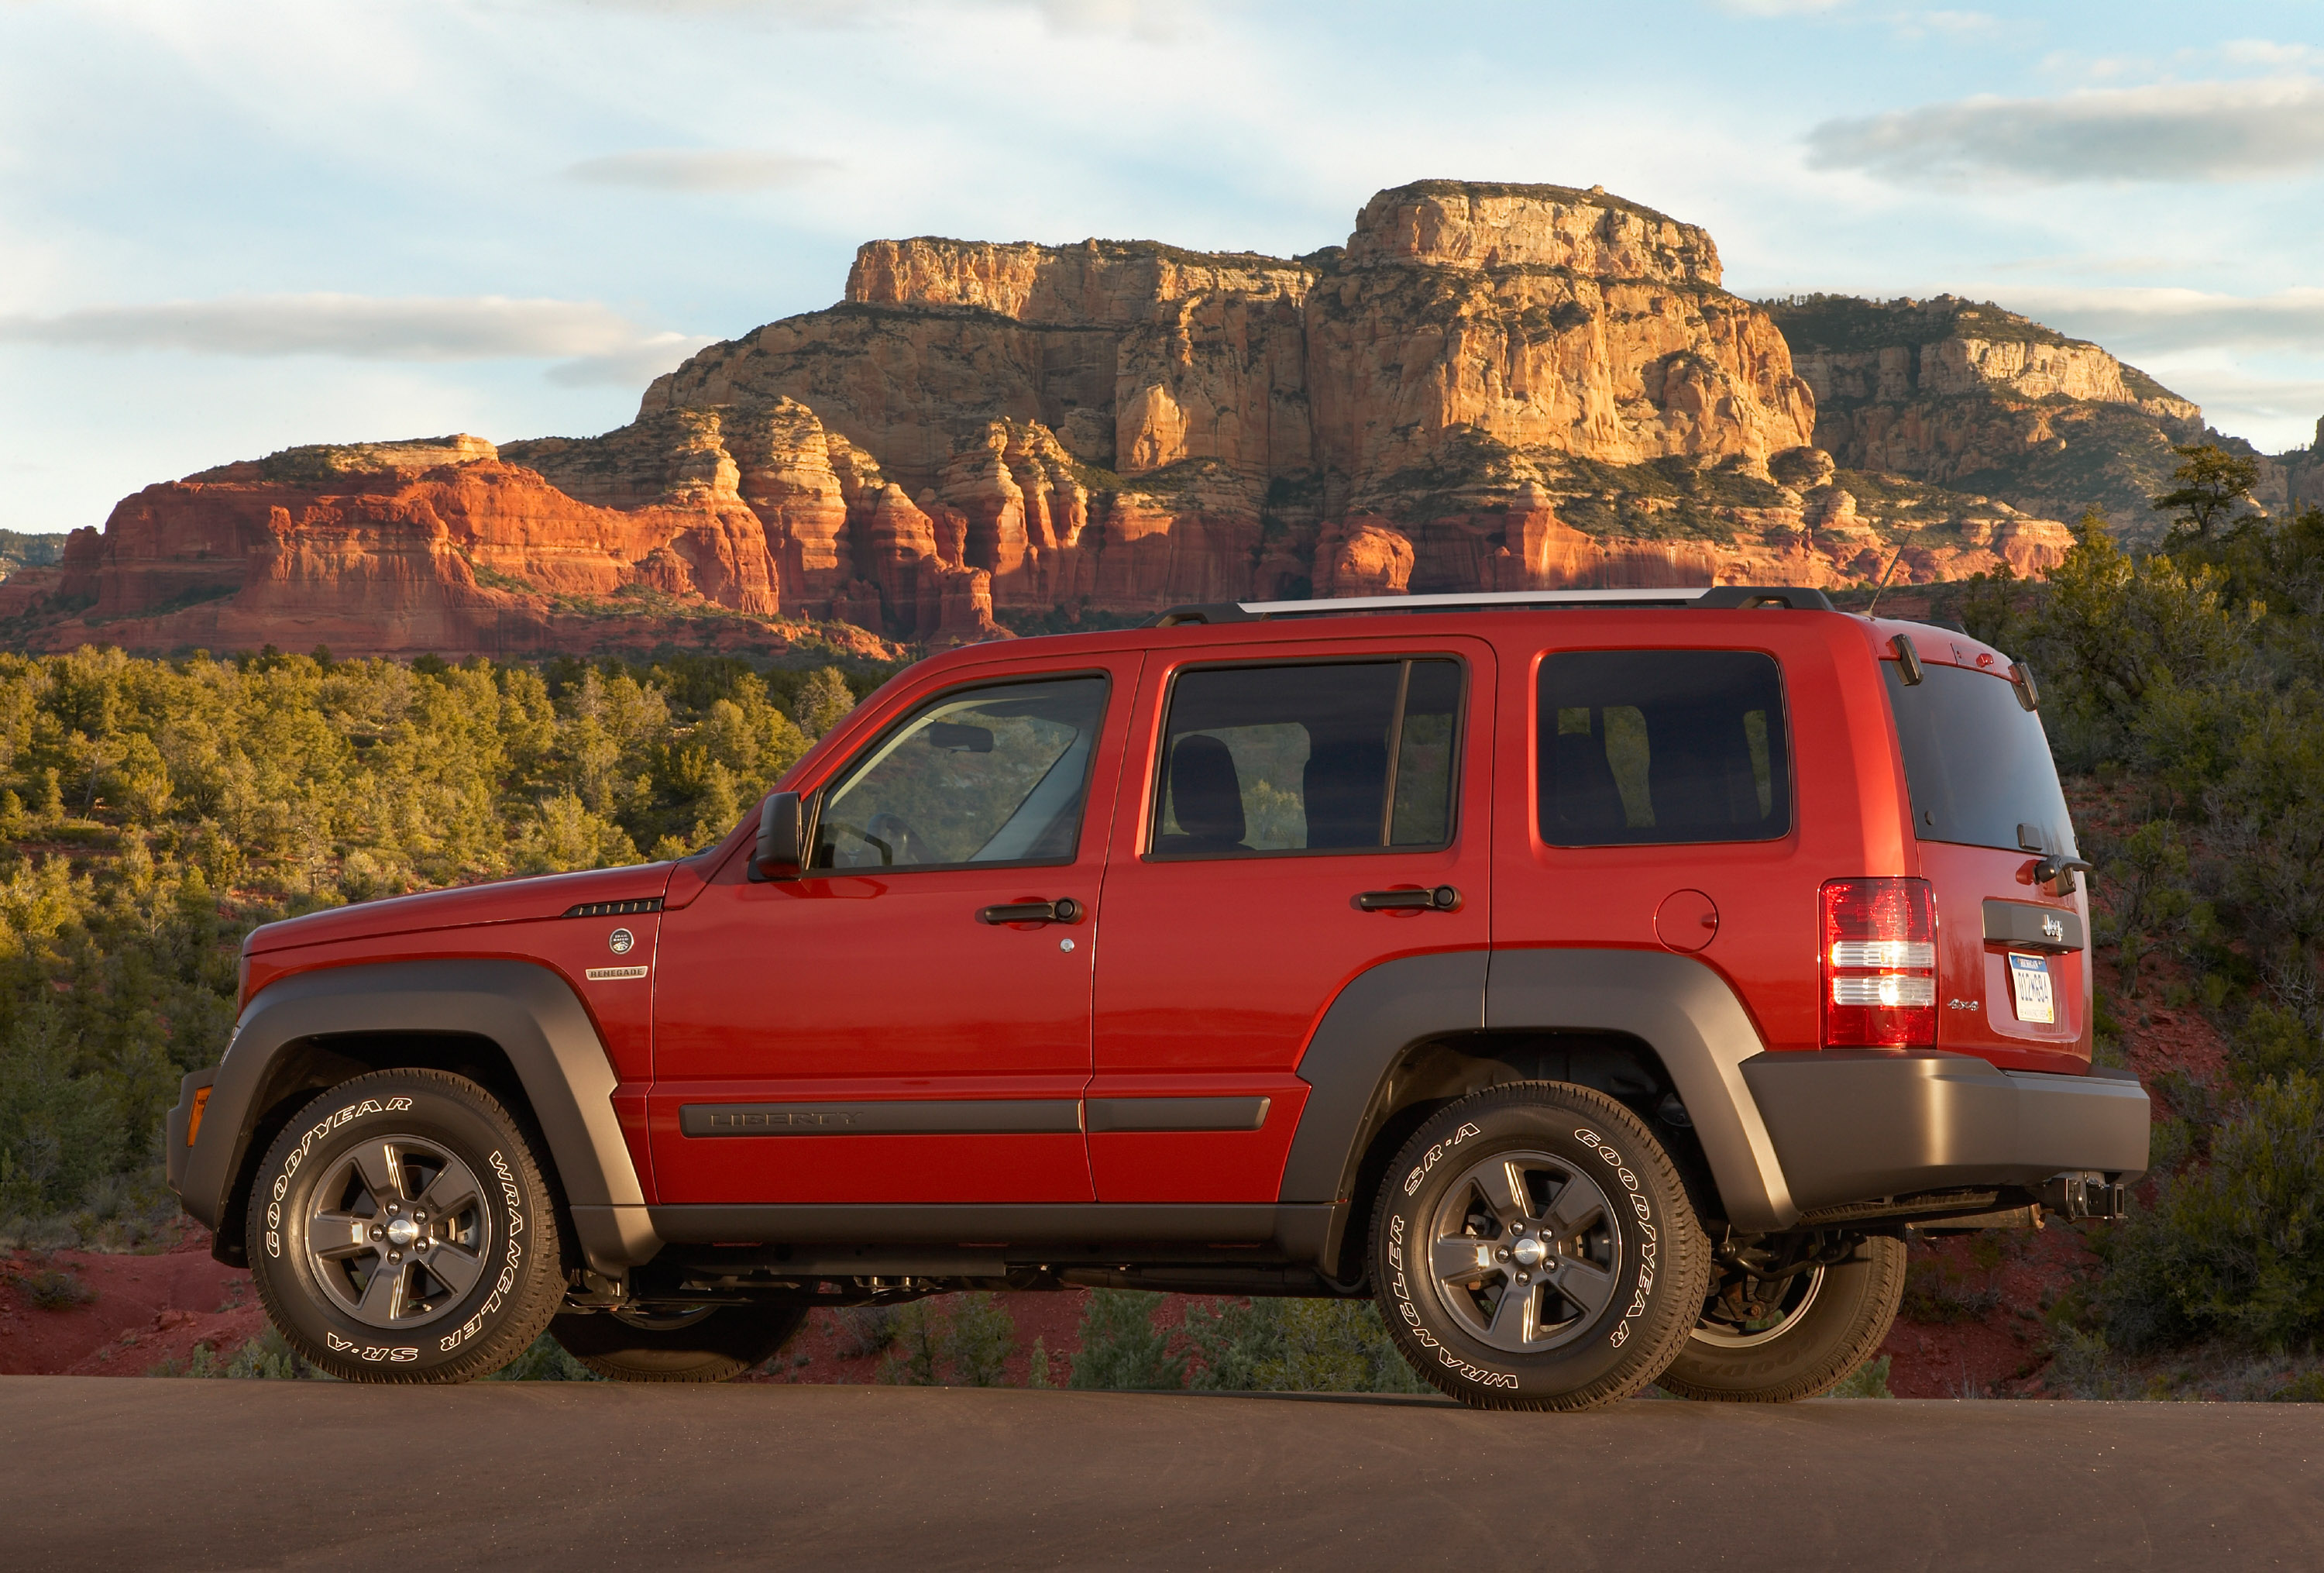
(148, 1310)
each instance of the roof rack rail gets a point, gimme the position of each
(1715, 598)
(1203, 611)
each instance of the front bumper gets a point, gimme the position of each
(1857, 1125)
(177, 1141)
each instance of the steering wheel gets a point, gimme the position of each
(897, 840)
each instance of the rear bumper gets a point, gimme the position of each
(1855, 1125)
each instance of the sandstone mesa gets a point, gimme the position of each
(1494, 387)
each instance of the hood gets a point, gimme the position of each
(506, 901)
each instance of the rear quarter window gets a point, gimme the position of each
(1977, 761)
(1642, 746)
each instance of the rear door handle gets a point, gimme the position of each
(1443, 899)
(1064, 910)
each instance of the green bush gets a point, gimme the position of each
(865, 1329)
(1869, 1380)
(544, 1360)
(957, 1340)
(2232, 1248)
(53, 1287)
(1296, 1346)
(1234, 1346)
(1121, 1349)
(266, 1357)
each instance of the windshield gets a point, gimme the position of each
(1977, 761)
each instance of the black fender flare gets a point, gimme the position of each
(1688, 1016)
(531, 1013)
(1679, 1008)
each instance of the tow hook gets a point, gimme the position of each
(2084, 1193)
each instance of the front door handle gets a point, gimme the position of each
(1064, 910)
(1443, 899)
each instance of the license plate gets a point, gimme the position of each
(2029, 989)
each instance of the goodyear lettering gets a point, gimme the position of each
(395, 1354)
(513, 1200)
(1420, 1170)
(1401, 1288)
(1645, 1286)
(297, 1155)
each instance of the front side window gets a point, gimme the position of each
(1638, 747)
(983, 775)
(1337, 756)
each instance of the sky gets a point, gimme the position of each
(230, 228)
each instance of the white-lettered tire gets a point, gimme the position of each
(1809, 1329)
(400, 1231)
(710, 1343)
(1533, 1247)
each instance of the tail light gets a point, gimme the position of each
(1879, 964)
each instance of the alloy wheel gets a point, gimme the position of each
(401, 1232)
(1521, 1248)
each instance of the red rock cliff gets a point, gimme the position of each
(1488, 386)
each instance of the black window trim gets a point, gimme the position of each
(839, 776)
(1452, 796)
(1791, 750)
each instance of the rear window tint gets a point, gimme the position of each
(1977, 761)
(1313, 757)
(1662, 745)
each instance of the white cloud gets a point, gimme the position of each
(2262, 51)
(411, 327)
(682, 169)
(1778, 7)
(2149, 321)
(1150, 19)
(2194, 130)
(2275, 414)
(633, 367)
(1954, 24)
(592, 344)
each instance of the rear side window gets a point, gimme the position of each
(1977, 761)
(1338, 756)
(1662, 745)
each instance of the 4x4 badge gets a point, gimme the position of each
(619, 940)
(1961, 1004)
(2053, 929)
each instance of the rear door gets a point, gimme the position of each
(1694, 776)
(1285, 825)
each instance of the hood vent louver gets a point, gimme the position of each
(613, 909)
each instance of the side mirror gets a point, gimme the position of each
(782, 833)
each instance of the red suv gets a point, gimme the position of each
(1602, 981)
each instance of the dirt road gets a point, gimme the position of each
(158, 1474)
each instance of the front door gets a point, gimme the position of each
(886, 1028)
(1289, 819)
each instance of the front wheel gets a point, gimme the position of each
(400, 1231)
(1793, 1336)
(1533, 1248)
(689, 1344)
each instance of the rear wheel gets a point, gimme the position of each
(1776, 1340)
(695, 1343)
(1533, 1248)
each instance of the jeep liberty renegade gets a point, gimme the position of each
(1604, 982)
